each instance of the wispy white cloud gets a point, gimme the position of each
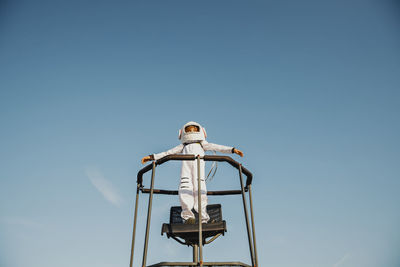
(343, 259)
(104, 186)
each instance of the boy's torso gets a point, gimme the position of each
(193, 148)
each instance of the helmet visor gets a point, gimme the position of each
(192, 129)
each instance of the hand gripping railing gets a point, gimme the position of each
(151, 191)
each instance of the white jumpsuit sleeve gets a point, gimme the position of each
(220, 148)
(175, 150)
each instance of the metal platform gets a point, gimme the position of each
(186, 264)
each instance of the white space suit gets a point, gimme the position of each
(193, 143)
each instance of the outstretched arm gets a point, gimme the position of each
(175, 150)
(220, 148)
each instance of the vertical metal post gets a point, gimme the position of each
(252, 226)
(146, 239)
(134, 225)
(199, 211)
(195, 254)
(246, 215)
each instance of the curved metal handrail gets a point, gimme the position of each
(227, 159)
(196, 259)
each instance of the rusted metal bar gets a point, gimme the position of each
(146, 239)
(134, 226)
(175, 192)
(247, 217)
(199, 209)
(193, 157)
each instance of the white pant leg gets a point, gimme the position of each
(204, 199)
(186, 191)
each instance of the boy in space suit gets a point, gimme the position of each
(193, 138)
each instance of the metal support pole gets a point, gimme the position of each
(199, 211)
(195, 254)
(252, 226)
(146, 239)
(246, 215)
(134, 225)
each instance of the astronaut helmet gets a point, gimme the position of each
(192, 136)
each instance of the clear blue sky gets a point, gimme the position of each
(309, 90)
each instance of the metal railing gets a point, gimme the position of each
(198, 260)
